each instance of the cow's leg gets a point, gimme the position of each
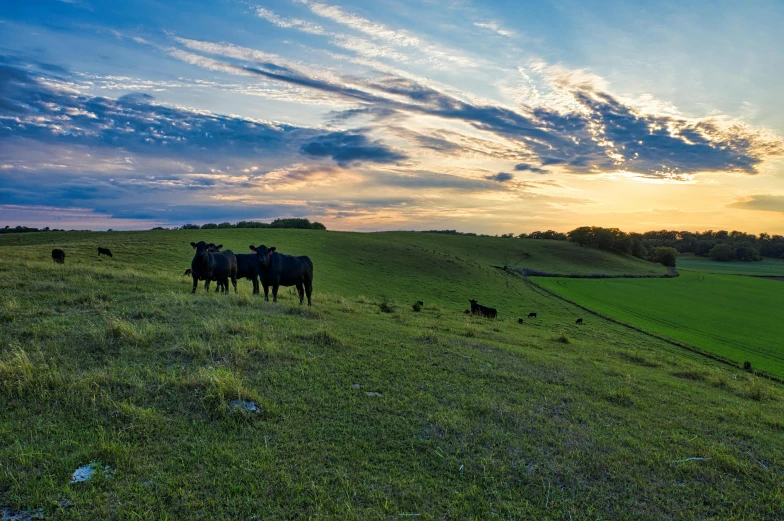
(308, 288)
(195, 283)
(233, 283)
(275, 287)
(226, 285)
(255, 281)
(301, 291)
(207, 285)
(266, 293)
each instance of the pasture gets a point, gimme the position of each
(764, 268)
(738, 318)
(368, 408)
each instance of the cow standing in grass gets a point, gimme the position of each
(212, 265)
(247, 268)
(277, 269)
(104, 251)
(478, 309)
(58, 256)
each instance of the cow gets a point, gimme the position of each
(210, 265)
(579, 321)
(58, 256)
(247, 268)
(478, 309)
(187, 272)
(277, 269)
(104, 251)
(519, 320)
(531, 315)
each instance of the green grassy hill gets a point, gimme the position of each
(738, 318)
(764, 268)
(364, 414)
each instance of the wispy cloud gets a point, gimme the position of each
(495, 27)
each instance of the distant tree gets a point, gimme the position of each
(704, 247)
(190, 227)
(209, 226)
(225, 225)
(663, 255)
(722, 252)
(745, 251)
(582, 235)
(638, 249)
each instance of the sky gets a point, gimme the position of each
(502, 116)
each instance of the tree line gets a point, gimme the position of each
(299, 223)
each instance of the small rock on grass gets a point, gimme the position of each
(22, 515)
(86, 472)
(246, 406)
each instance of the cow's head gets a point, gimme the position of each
(473, 303)
(201, 247)
(263, 254)
(215, 249)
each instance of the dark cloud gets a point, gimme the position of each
(525, 167)
(350, 149)
(763, 202)
(606, 135)
(501, 177)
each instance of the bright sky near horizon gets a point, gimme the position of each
(492, 117)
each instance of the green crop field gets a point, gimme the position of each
(764, 268)
(368, 409)
(738, 318)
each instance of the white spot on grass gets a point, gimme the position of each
(356, 386)
(374, 393)
(86, 472)
(246, 406)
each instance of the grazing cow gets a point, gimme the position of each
(519, 320)
(104, 251)
(420, 303)
(478, 309)
(277, 269)
(531, 315)
(247, 268)
(210, 265)
(187, 272)
(58, 256)
(579, 321)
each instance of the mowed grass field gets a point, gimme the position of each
(369, 410)
(764, 268)
(739, 318)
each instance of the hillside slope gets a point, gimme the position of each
(364, 414)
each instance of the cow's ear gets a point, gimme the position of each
(218, 247)
(272, 249)
(193, 244)
(252, 248)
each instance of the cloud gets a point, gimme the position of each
(501, 177)
(525, 167)
(494, 27)
(351, 149)
(763, 202)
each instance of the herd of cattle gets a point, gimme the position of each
(273, 269)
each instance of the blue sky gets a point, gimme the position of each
(490, 117)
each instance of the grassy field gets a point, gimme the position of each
(738, 318)
(369, 410)
(765, 268)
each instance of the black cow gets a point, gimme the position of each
(187, 272)
(519, 320)
(104, 251)
(277, 269)
(579, 321)
(531, 315)
(478, 309)
(58, 256)
(210, 265)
